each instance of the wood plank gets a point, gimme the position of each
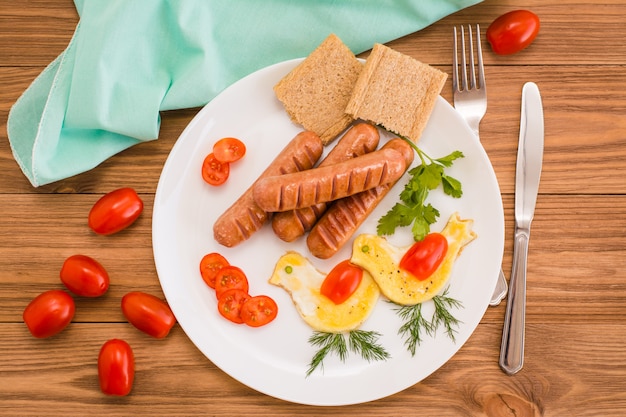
(174, 377)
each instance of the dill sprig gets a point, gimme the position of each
(365, 343)
(442, 315)
(416, 325)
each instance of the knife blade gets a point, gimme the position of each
(527, 175)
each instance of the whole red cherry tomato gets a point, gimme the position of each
(229, 150)
(115, 211)
(148, 313)
(230, 277)
(341, 282)
(215, 172)
(230, 302)
(84, 276)
(210, 265)
(259, 310)
(513, 31)
(49, 313)
(425, 256)
(116, 367)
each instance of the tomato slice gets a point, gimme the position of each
(259, 310)
(116, 367)
(210, 265)
(513, 31)
(230, 302)
(229, 150)
(230, 277)
(341, 282)
(425, 256)
(215, 172)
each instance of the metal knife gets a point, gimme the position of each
(528, 172)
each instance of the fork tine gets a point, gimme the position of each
(464, 76)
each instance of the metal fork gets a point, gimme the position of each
(470, 99)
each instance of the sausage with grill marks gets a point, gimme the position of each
(335, 228)
(360, 139)
(329, 183)
(245, 217)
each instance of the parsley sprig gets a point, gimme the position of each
(415, 325)
(412, 208)
(362, 342)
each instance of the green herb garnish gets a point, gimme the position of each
(416, 325)
(362, 342)
(412, 208)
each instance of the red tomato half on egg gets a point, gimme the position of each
(115, 211)
(425, 256)
(341, 282)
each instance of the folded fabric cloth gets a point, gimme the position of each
(130, 59)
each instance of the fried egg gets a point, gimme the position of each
(299, 277)
(382, 259)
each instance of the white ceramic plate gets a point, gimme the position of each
(273, 359)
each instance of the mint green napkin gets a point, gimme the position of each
(130, 59)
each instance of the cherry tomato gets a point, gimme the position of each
(341, 282)
(513, 31)
(115, 211)
(116, 367)
(210, 265)
(425, 256)
(215, 172)
(228, 278)
(148, 313)
(49, 313)
(229, 150)
(258, 311)
(84, 276)
(230, 302)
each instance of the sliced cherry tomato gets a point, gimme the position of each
(116, 367)
(341, 282)
(425, 256)
(230, 302)
(115, 211)
(513, 31)
(258, 311)
(230, 277)
(210, 265)
(49, 313)
(84, 276)
(229, 150)
(148, 313)
(215, 172)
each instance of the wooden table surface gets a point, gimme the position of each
(575, 362)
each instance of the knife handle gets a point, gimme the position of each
(512, 348)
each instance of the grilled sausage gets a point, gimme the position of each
(360, 139)
(328, 183)
(345, 216)
(245, 217)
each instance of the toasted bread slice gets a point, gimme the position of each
(315, 93)
(396, 91)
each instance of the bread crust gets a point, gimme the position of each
(396, 91)
(315, 93)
